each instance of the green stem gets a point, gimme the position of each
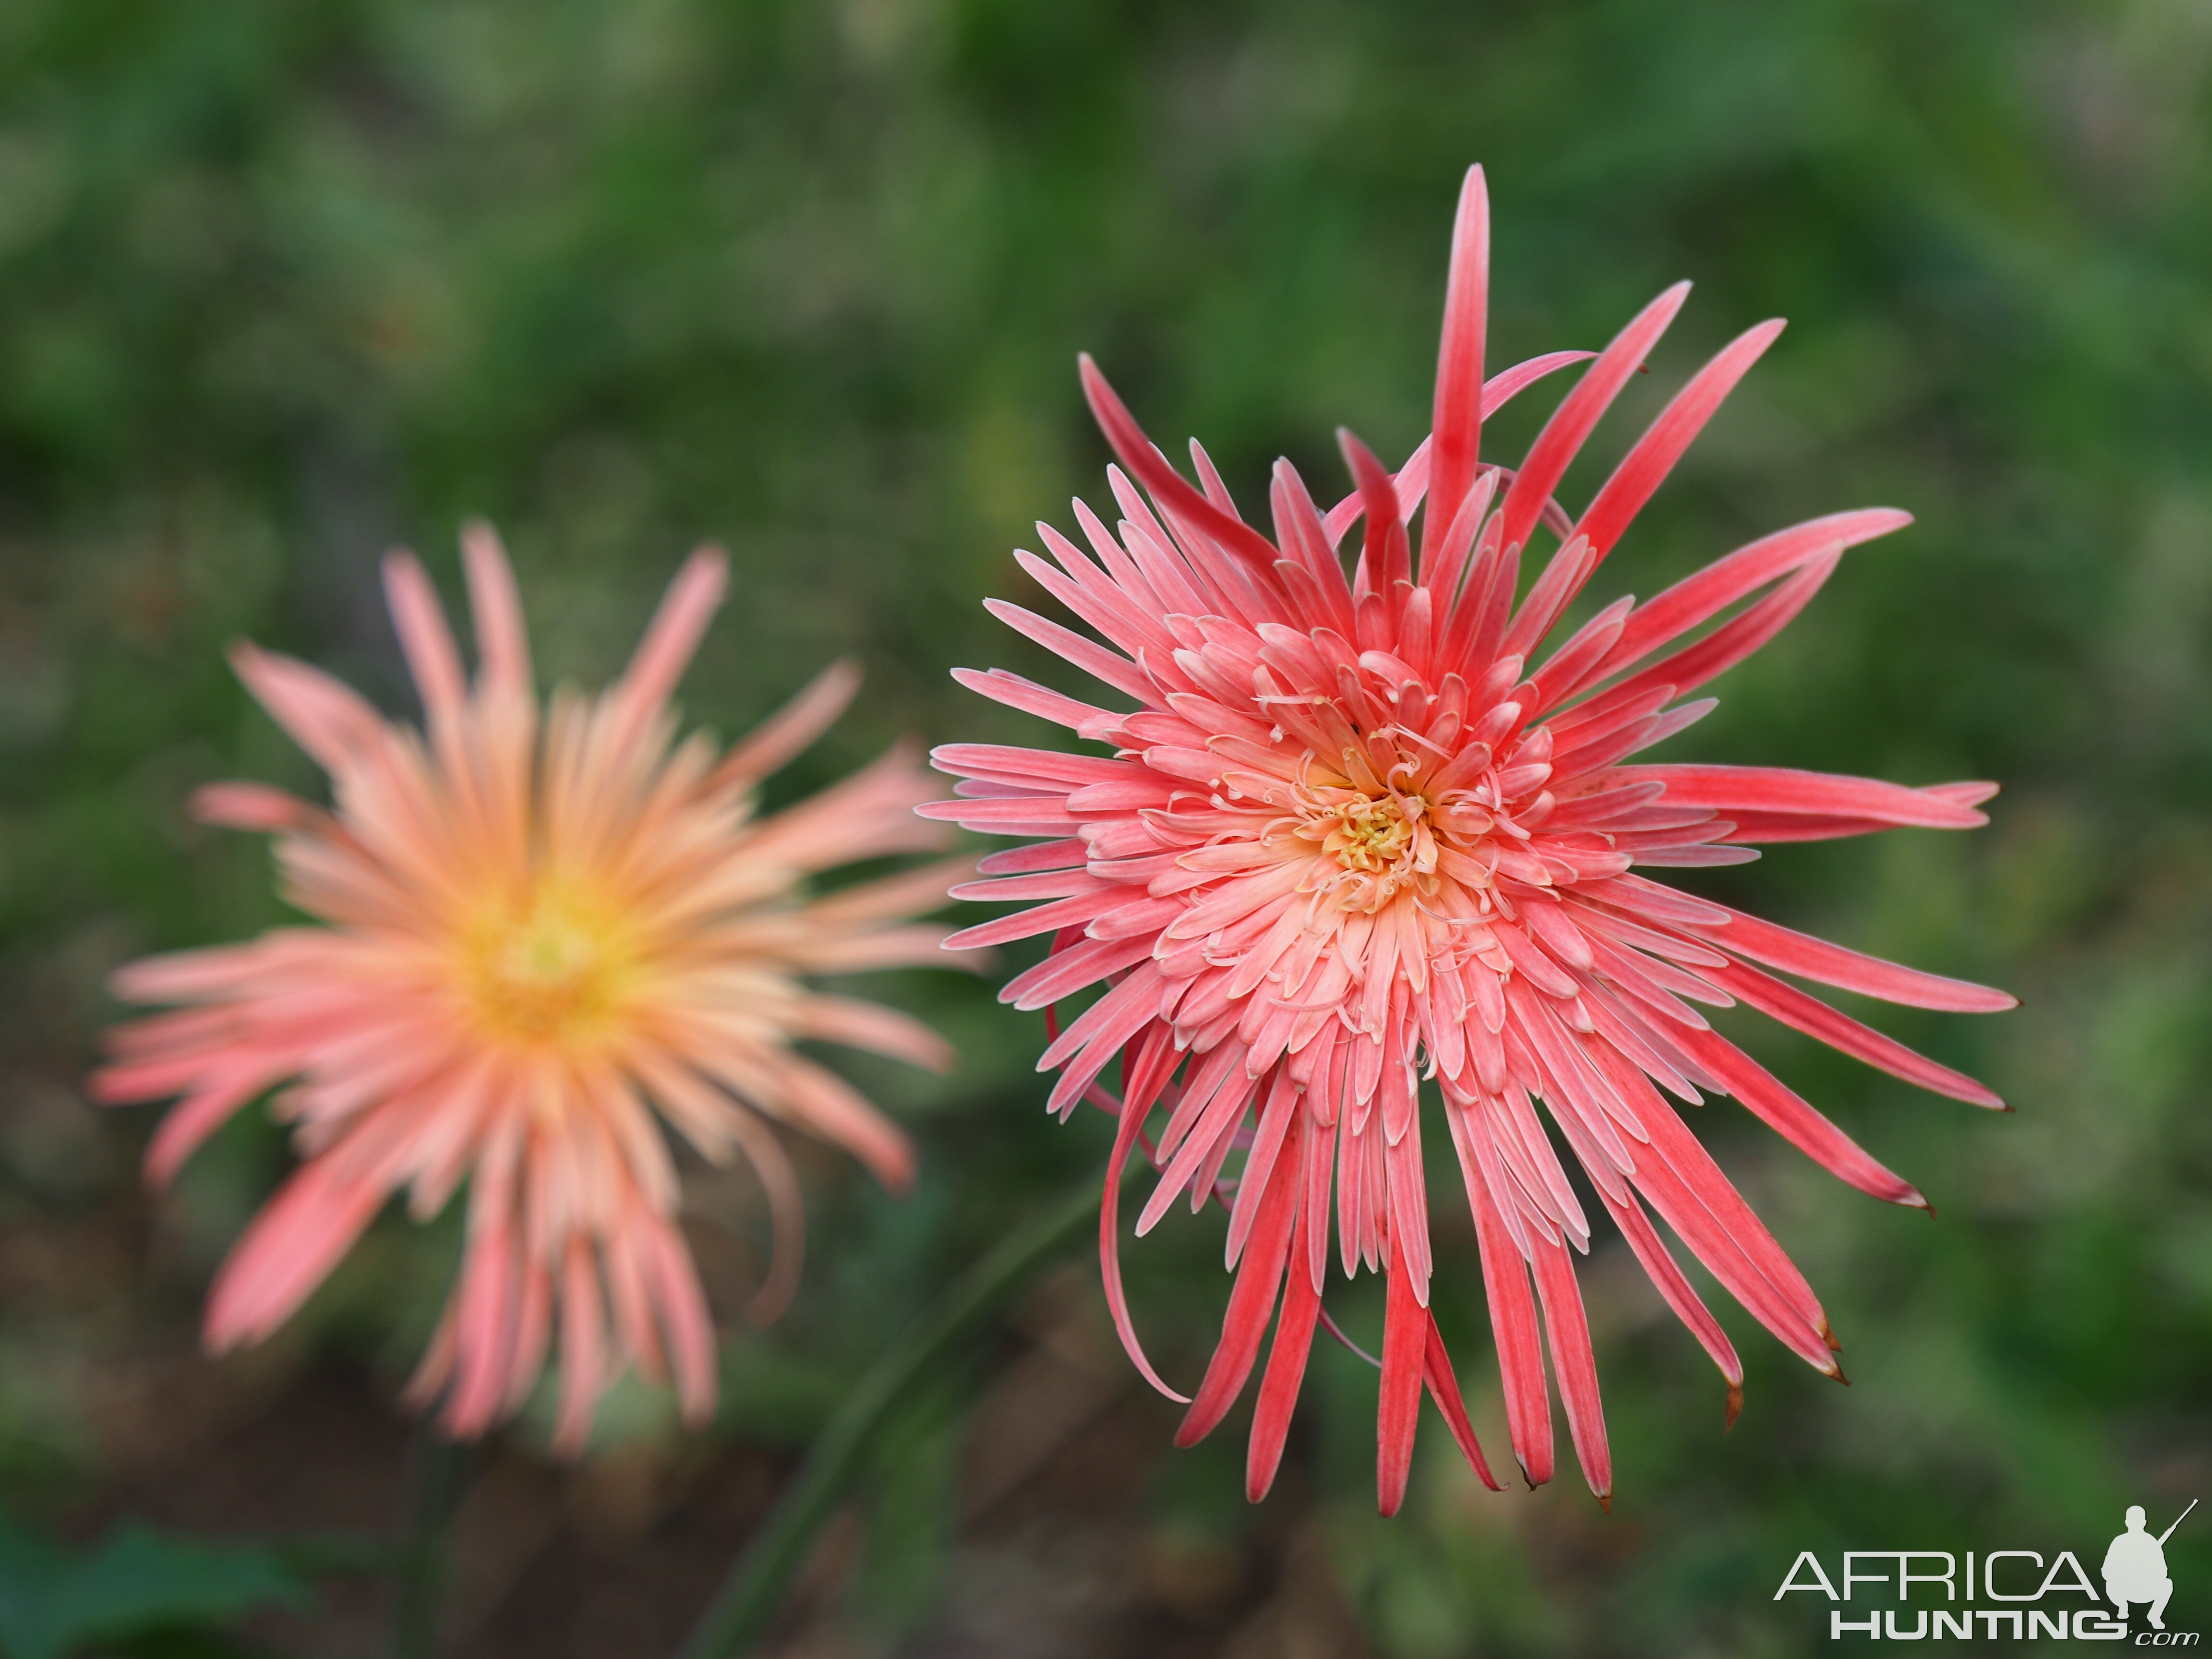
(435, 1468)
(752, 1591)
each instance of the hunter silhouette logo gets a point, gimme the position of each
(1919, 1595)
(2134, 1566)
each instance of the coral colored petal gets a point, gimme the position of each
(424, 636)
(1405, 1352)
(495, 608)
(288, 1250)
(1568, 1327)
(1444, 1388)
(1795, 1121)
(793, 728)
(1851, 970)
(1149, 1075)
(1259, 1277)
(1785, 789)
(674, 633)
(1457, 414)
(1816, 1019)
(1656, 452)
(1286, 1367)
(1166, 485)
(1562, 438)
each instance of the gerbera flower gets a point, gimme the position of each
(1359, 833)
(533, 935)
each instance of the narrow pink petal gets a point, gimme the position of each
(496, 608)
(1735, 638)
(1012, 689)
(825, 1104)
(1148, 1075)
(1093, 659)
(1849, 970)
(583, 1349)
(1816, 1019)
(188, 1123)
(1666, 1276)
(1166, 485)
(1656, 452)
(1795, 1122)
(1405, 1352)
(1412, 478)
(1512, 1320)
(252, 806)
(1457, 417)
(325, 717)
(1384, 560)
(1704, 595)
(1563, 435)
(1786, 789)
(789, 731)
(674, 1282)
(288, 1250)
(1568, 1327)
(1286, 1363)
(1444, 1388)
(673, 634)
(432, 656)
(1259, 1280)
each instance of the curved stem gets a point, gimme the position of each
(752, 1591)
(436, 1468)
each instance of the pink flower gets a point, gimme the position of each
(534, 934)
(1357, 833)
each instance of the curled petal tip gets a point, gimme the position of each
(1604, 1500)
(1735, 1406)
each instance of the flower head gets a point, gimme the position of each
(533, 932)
(1357, 833)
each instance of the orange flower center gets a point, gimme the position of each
(550, 974)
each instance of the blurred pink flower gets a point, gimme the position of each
(534, 934)
(1350, 837)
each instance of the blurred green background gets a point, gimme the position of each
(283, 284)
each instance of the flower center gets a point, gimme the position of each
(1374, 845)
(1371, 835)
(546, 976)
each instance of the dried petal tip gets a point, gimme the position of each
(1371, 830)
(1735, 1406)
(540, 933)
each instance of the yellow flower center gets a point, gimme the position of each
(1374, 846)
(1371, 835)
(550, 973)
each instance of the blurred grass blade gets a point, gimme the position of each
(436, 1475)
(752, 1591)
